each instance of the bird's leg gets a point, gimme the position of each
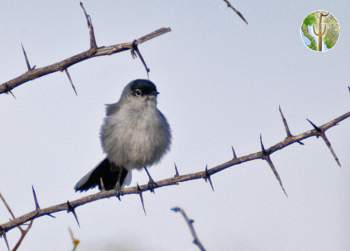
(151, 183)
(102, 185)
(118, 186)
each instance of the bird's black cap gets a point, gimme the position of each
(143, 87)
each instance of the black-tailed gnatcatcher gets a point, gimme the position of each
(134, 135)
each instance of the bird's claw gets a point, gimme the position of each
(152, 185)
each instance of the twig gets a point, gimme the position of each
(190, 222)
(7, 206)
(3, 235)
(24, 232)
(174, 180)
(229, 5)
(23, 235)
(71, 81)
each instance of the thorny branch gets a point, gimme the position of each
(94, 51)
(70, 206)
(190, 222)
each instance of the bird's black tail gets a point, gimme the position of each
(106, 172)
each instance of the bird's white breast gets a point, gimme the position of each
(135, 135)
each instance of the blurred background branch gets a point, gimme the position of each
(190, 222)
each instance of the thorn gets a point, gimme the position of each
(37, 207)
(151, 183)
(263, 150)
(266, 156)
(93, 44)
(8, 90)
(318, 129)
(71, 209)
(300, 143)
(176, 171)
(274, 170)
(322, 134)
(26, 59)
(12, 94)
(51, 216)
(136, 52)
(289, 134)
(71, 81)
(234, 153)
(328, 144)
(139, 191)
(208, 178)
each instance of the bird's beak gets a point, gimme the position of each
(155, 93)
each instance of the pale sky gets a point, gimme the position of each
(221, 83)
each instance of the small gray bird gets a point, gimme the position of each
(134, 135)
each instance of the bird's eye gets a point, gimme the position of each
(138, 92)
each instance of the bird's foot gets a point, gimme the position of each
(102, 185)
(118, 190)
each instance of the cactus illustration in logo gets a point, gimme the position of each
(320, 31)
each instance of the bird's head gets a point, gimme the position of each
(141, 90)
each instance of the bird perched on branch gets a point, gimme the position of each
(134, 135)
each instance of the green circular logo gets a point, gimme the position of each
(320, 31)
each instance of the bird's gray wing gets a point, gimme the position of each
(112, 108)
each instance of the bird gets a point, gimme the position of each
(134, 135)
